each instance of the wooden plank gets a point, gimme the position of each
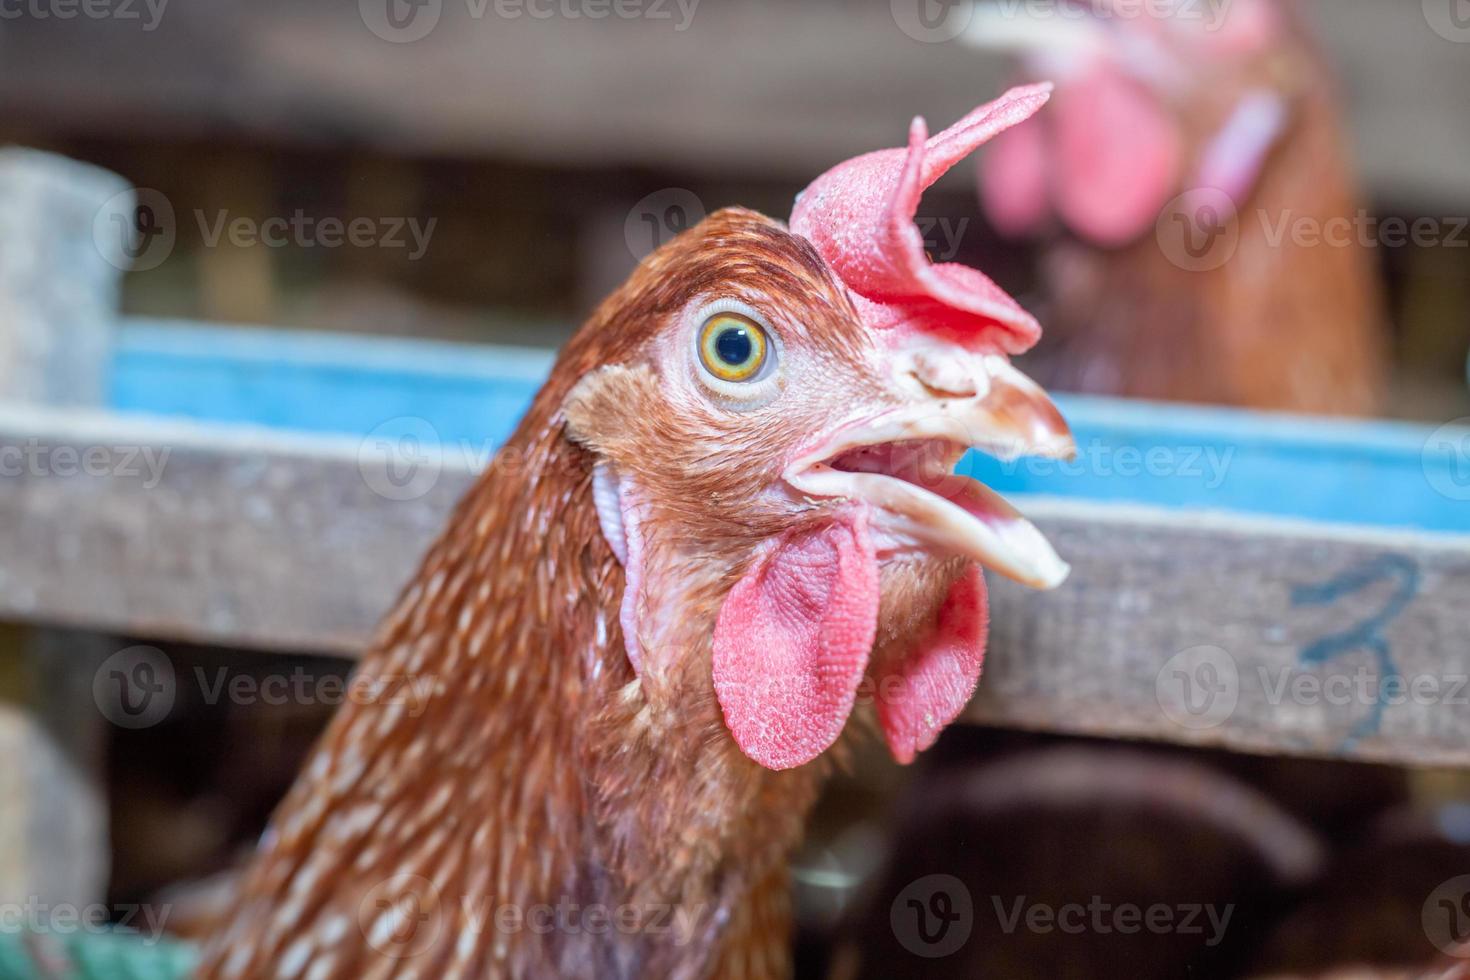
(195, 532)
(1249, 634)
(290, 542)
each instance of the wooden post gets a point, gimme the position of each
(64, 236)
(61, 262)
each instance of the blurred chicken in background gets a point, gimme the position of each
(1163, 125)
(1271, 868)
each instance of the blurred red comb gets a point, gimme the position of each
(860, 216)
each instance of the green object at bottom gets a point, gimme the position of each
(93, 956)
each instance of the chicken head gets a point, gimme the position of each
(773, 450)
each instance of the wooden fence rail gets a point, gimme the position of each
(1254, 631)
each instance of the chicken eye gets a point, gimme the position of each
(733, 347)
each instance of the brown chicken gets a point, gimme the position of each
(1202, 230)
(728, 518)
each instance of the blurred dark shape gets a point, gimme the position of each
(1369, 908)
(1340, 800)
(1063, 854)
(1203, 229)
(190, 795)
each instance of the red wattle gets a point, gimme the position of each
(1118, 156)
(920, 696)
(792, 640)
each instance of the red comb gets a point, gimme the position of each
(860, 216)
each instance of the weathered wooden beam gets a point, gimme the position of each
(288, 542)
(240, 537)
(1248, 634)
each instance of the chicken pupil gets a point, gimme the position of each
(734, 346)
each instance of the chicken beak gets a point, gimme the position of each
(901, 463)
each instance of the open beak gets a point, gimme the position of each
(901, 462)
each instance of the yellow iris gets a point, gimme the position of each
(732, 347)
